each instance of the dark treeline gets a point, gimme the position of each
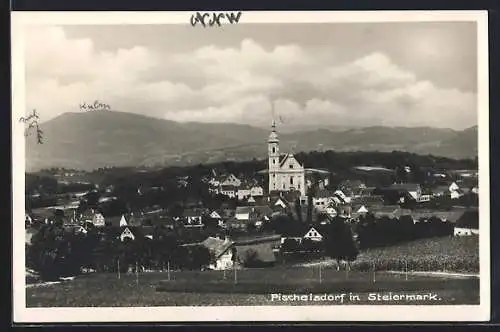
(379, 232)
(55, 252)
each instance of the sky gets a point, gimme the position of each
(324, 74)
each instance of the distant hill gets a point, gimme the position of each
(98, 139)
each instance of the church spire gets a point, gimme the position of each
(273, 136)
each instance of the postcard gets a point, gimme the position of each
(250, 166)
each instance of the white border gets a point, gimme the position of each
(245, 313)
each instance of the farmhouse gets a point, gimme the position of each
(313, 235)
(261, 249)
(243, 213)
(127, 234)
(467, 224)
(413, 189)
(98, 220)
(192, 217)
(256, 191)
(222, 252)
(230, 180)
(228, 190)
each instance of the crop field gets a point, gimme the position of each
(249, 287)
(453, 254)
(448, 254)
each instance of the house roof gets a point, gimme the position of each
(362, 209)
(148, 230)
(227, 188)
(245, 240)
(441, 189)
(217, 246)
(323, 193)
(392, 211)
(368, 200)
(451, 216)
(227, 176)
(263, 210)
(469, 219)
(313, 229)
(226, 213)
(191, 213)
(352, 184)
(404, 186)
(291, 196)
(287, 156)
(243, 209)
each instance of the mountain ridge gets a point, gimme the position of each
(107, 138)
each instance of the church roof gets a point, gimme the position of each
(285, 157)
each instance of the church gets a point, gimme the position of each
(285, 172)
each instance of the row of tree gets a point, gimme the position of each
(55, 252)
(386, 231)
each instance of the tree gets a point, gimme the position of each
(290, 246)
(250, 258)
(54, 253)
(339, 242)
(298, 209)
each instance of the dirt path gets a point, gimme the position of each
(440, 274)
(49, 283)
(42, 284)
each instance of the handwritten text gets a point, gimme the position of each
(212, 19)
(31, 122)
(96, 106)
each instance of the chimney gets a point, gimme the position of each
(226, 239)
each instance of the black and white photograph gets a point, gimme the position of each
(250, 166)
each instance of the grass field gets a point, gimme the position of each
(254, 287)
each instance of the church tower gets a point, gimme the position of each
(274, 156)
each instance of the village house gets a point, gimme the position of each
(243, 213)
(452, 191)
(230, 180)
(192, 218)
(313, 235)
(98, 220)
(126, 234)
(341, 197)
(475, 189)
(279, 205)
(450, 216)
(222, 252)
(217, 216)
(413, 189)
(75, 229)
(228, 190)
(352, 188)
(390, 211)
(330, 211)
(322, 198)
(251, 201)
(263, 247)
(467, 224)
(244, 191)
(256, 191)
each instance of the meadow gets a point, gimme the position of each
(250, 287)
(369, 273)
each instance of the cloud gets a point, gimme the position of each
(237, 84)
